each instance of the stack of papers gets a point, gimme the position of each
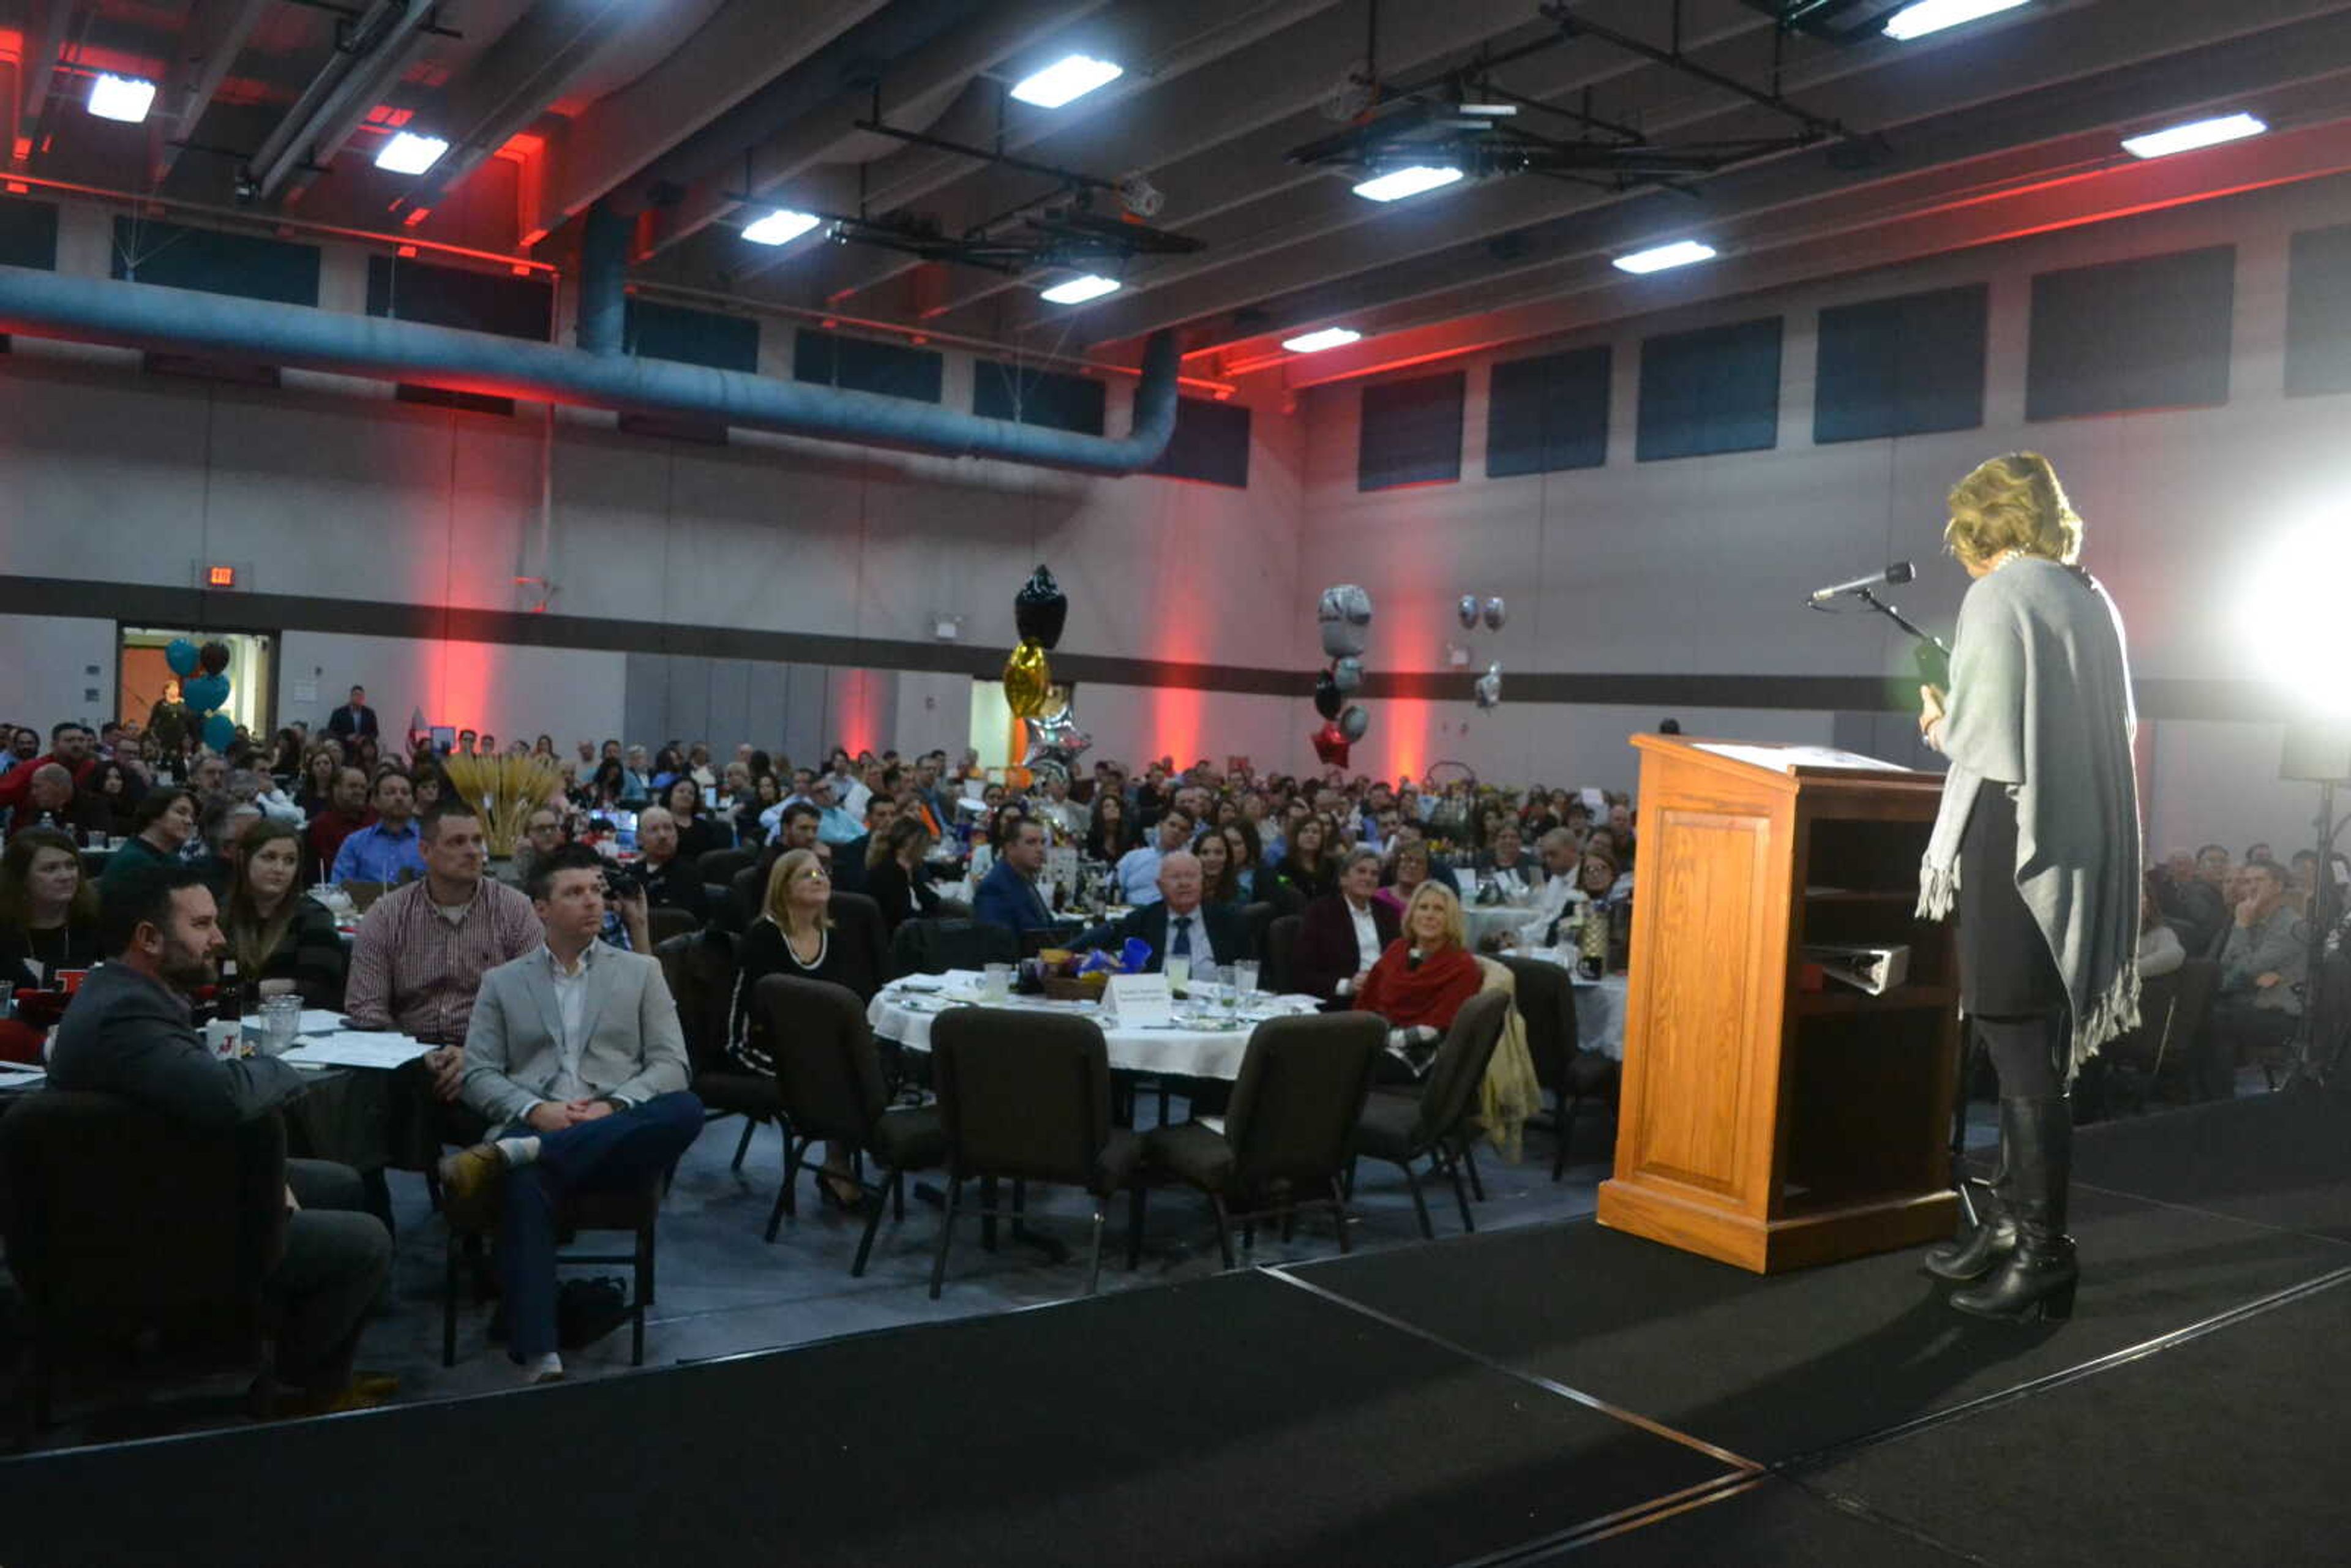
(357, 1048)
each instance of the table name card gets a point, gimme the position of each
(1140, 1001)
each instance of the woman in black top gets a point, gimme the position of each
(49, 910)
(118, 792)
(765, 791)
(278, 934)
(893, 873)
(315, 791)
(697, 835)
(1306, 869)
(607, 788)
(1109, 834)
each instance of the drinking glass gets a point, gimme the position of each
(1245, 979)
(281, 1019)
(997, 986)
(1179, 974)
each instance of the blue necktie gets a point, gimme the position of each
(1182, 947)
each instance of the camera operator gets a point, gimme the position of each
(626, 924)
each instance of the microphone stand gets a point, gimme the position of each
(1933, 656)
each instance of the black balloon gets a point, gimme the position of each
(1327, 698)
(213, 657)
(1040, 609)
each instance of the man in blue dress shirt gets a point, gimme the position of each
(1138, 868)
(387, 850)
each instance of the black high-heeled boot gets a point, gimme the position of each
(2039, 1278)
(1972, 1255)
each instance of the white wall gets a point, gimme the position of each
(569, 693)
(54, 667)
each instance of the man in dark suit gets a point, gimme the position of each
(1179, 925)
(1341, 934)
(353, 719)
(1007, 894)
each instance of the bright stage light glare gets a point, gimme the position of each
(1315, 342)
(2297, 643)
(1398, 184)
(1659, 258)
(1077, 290)
(1934, 15)
(409, 153)
(2194, 134)
(1072, 76)
(780, 227)
(126, 98)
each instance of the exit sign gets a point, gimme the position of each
(220, 577)
(223, 576)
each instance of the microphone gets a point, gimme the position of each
(1900, 572)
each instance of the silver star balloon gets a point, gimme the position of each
(1054, 738)
(1488, 688)
(1344, 614)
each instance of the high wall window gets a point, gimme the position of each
(2318, 313)
(1211, 443)
(1411, 431)
(1548, 412)
(860, 364)
(1714, 389)
(1031, 396)
(1904, 366)
(148, 250)
(2148, 333)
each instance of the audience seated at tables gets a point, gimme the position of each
(245, 784)
(1177, 924)
(575, 1058)
(1306, 869)
(423, 948)
(1420, 982)
(2160, 951)
(278, 934)
(1562, 892)
(894, 877)
(849, 866)
(834, 825)
(118, 790)
(167, 825)
(1220, 874)
(1407, 869)
(1341, 934)
(387, 850)
(542, 833)
(1007, 894)
(48, 922)
(1054, 808)
(128, 1032)
(2264, 960)
(72, 747)
(671, 878)
(1505, 866)
(1138, 868)
(52, 800)
(750, 812)
(345, 812)
(1109, 834)
(697, 834)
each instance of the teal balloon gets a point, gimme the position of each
(220, 732)
(203, 694)
(183, 656)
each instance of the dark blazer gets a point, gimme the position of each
(676, 884)
(1325, 953)
(126, 1034)
(901, 900)
(1228, 935)
(1004, 897)
(343, 721)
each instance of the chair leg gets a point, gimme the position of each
(1419, 1204)
(449, 1303)
(1339, 1215)
(1135, 1202)
(1460, 1192)
(795, 1151)
(784, 1204)
(898, 1196)
(743, 1144)
(874, 1223)
(946, 1230)
(1469, 1158)
(1563, 1124)
(1093, 1261)
(644, 1295)
(1350, 1183)
(989, 1202)
(1224, 1228)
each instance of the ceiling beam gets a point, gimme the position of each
(45, 42)
(200, 59)
(737, 52)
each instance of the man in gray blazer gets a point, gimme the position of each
(575, 1056)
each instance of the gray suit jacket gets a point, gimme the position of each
(126, 1034)
(634, 1048)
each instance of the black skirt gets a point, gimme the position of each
(2005, 968)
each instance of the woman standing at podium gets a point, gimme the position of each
(2036, 846)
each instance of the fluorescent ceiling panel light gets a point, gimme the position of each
(2194, 134)
(1486, 110)
(1077, 290)
(1934, 15)
(780, 227)
(126, 98)
(1398, 184)
(1069, 77)
(409, 153)
(1681, 252)
(1315, 342)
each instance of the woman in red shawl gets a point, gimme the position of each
(1421, 981)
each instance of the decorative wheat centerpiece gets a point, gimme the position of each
(507, 789)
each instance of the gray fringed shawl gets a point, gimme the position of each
(2040, 700)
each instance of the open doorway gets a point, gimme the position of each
(142, 675)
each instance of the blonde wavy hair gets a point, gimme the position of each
(778, 906)
(1457, 926)
(2013, 503)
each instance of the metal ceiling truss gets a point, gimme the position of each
(1466, 118)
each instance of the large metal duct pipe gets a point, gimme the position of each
(604, 239)
(182, 322)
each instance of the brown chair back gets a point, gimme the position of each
(667, 920)
(1459, 1069)
(720, 865)
(827, 1069)
(1256, 919)
(1301, 1092)
(700, 968)
(1022, 1093)
(120, 1218)
(1547, 1001)
(363, 895)
(861, 939)
(1280, 942)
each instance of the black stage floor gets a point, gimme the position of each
(1551, 1391)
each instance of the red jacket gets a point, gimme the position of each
(1429, 994)
(19, 779)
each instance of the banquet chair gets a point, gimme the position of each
(120, 1220)
(669, 921)
(1547, 1001)
(1026, 1095)
(700, 968)
(934, 945)
(363, 895)
(1256, 919)
(719, 866)
(636, 1211)
(1402, 1127)
(1280, 942)
(828, 1078)
(1301, 1090)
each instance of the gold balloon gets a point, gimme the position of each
(1027, 677)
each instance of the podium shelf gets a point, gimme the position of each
(1813, 1004)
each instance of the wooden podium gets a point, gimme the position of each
(1763, 1124)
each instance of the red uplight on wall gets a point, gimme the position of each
(220, 577)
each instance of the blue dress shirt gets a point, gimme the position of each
(1138, 875)
(372, 854)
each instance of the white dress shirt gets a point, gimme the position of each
(571, 1010)
(1557, 895)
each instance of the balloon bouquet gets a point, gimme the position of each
(1487, 687)
(1039, 610)
(204, 693)
(1345, 615)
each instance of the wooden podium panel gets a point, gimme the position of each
(1762, 1123)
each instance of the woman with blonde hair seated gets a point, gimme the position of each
(1421, 981)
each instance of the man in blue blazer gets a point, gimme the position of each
(1179, 924)
(1007, 894)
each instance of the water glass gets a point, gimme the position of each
(281, 1019)
(1245, 978)
(997, 985)
(1179, 974)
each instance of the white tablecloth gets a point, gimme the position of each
(1483, 920)
(905, 1016)
(1599, 1004)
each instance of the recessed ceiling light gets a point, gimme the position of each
(1077, 290)
(1315, 342)
(1681, 252)
(1934, 15)
(780, 227)
(1398, 184)
(2194, 134)
(409, 153)
(126, 98)
(1072, 76)
(1486, 110)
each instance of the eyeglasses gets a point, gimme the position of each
(814, 876)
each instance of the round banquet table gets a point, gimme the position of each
(1484, 920)
(1599, 1004)
(1212, 1049)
